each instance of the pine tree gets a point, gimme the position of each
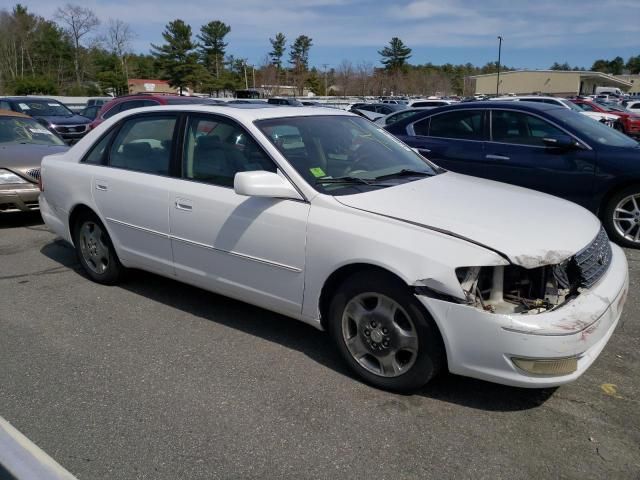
(299, 52)
(177, 57)
(213, 46)
(395, 56)
(278, 48)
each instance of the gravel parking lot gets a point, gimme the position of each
(154, 379)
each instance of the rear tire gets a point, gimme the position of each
(621, 217)
(95, 250)
(383, 332)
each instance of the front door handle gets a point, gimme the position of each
(102, 186)
(183, 204)
(497, 157)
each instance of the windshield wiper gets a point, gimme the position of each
(405, 172)
(346, 179)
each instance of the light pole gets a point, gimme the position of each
(325, 65)
(499, 51)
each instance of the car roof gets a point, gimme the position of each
(43, 99)
(11, 113)
(247, 112)
(523, 105)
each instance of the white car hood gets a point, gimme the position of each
(599, 116)
(530, 228)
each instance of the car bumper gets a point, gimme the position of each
(18, 198)
(53, 219)
(481, 344)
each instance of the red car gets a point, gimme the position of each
(629, 122)
(138, 100)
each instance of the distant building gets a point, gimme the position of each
(559, 83)
(145, 85)
(634, 80)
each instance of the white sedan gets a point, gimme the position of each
(324, 217)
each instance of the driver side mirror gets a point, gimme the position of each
(561, 141)
(260, 183)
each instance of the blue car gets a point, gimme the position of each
(539, 146)
(50, 113)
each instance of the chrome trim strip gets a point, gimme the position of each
(208, 247)
(135, 227)
(237, 254)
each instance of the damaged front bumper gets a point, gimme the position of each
(484, 344)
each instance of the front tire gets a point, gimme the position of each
(95, 250)
(384, 334)
(621, 217)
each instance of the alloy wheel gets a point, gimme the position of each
(379, 334)
(626, 218)
(93, 246)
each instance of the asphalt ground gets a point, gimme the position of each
(158, 380)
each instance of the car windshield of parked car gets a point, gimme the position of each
(571, 105)
(593, 130)
(44, 108)
(25, 131)
(341, 155)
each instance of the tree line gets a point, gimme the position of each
(74, 54)
(617, 66)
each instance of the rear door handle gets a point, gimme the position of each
(102, 185)
(497, 157)
(184, 204)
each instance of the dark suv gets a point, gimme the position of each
(50, 113)
(139, 100)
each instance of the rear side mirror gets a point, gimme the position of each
(264, 184)
(561, 141)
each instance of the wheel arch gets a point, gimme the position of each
(606, 198)
(337, 277)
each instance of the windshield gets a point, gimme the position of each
(593, 130)
(16, 130)
(572, 105)
(44, 108)
(341, 155)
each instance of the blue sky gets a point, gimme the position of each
(536, 33)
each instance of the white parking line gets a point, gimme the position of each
(22, 458)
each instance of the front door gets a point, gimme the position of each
(518, 155)
(249, 248)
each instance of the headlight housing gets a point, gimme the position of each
(9, 178)
(514, 289)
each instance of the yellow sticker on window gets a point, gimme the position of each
(317, 172)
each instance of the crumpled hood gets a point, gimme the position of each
(601, 115)
(530, 228)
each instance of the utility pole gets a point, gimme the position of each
(254, 75)
(498, 80)
(246, 81)
(325, 65)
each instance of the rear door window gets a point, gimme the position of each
(144, 144)
(464, 125)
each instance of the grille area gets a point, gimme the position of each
(71, 128)
(593, 261)
(34, 173)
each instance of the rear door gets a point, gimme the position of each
(517, 154)
(453, 140)
(132, 192)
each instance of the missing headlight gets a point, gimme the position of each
(514, 289)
